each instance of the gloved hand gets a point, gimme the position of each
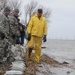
(29, 37)
(44, 38)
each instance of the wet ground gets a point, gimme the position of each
(33, 68)
(57, 59)
(43, 68)
(3, 68)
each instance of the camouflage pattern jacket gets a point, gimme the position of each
(14, 29)
(4, 25)
(4, 29)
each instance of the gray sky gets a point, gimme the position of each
(62, 19)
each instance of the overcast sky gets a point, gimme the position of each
(62, 19)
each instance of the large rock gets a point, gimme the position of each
(18, 52)
(13, 72)
(18, 65)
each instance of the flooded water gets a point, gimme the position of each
(61, 51)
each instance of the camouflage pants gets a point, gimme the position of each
(3, 45)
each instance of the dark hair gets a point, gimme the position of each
(40, 11)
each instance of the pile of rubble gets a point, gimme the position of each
(18, 66)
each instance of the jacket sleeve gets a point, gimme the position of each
(30, 26)
(3, 28)
(45, 27)
(13, 25)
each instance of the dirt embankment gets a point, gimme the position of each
(3, 68)
(32, 67)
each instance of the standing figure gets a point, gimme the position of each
(37, 30)
(22, 27)
(4, 33)
(14, 28)
(20, 40)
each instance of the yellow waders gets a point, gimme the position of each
(35, 42)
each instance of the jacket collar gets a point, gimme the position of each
(37, 16)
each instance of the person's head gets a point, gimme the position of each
(16, 12)
(7, 11)
(39, 13)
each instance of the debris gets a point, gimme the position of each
(13, 72)
(65, 62)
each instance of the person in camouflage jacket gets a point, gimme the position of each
(4, 33)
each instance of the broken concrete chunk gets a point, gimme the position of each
(12, 72)
(18, 65)
(65, 62)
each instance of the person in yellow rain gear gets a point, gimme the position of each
(37, 30)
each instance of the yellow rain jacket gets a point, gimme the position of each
(37, 27)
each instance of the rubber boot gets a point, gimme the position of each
(29, 53)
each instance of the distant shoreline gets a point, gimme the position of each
(63, 39)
